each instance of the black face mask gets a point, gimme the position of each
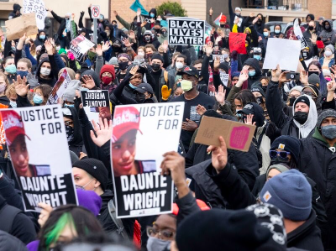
(311, 28)
(222, 25)
(140, 97)
(327, 27)
(301, 117)
(259, 22)
(278, 160)
(147, 38)
(313, 72)
(69, 133)
(123, 65)
(291, 101)
(260, 100)
(264, 88)
(199, 73)
(156, 67)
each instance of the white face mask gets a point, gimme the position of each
(327, 53)
(58, 48)
(225, 55)
(45, 71)
(179, 65)
(141, 54)
(186, 85)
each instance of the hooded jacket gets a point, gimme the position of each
(318, 161)
(255, 64)
(76, 144)
(16, 7)
(94, 76)
(52, 78)
(289, 126)
(39, 41)
(328, 36)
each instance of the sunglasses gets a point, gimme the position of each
(282, 154)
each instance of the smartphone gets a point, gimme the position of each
(292, 76)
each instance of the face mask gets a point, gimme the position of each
(69, 133)
(37, 99)
(252, 73)
(45, 71)
(164, 33)
(225, 55)
(2, 88)
(152, 15)
(179, 65)
(67, 105)
(13, 104)
(123, 65)
(186, 85)
(13, 48)
(200, 73)
(156, 67)
(82, 89)
(264, 88)
(141, 54)
(329, 131)
(140, 97)
(311, 28)
(278, 160)
(222, 25)
(22, 74)
(132, 86)
(106, 80)
(327, 27)
(149, 55)
(265, 33)
(83, 187)
(147, 38)
(260, 100)
(58, 48)
(42, 37)
(238, 114)
(11, 69)
(277, 31)
(155, 244)
(327, 53)
(91, 55)
(301, 117)
(237, 14)
(257, 57)
(107, 32)
(291, 101)
(114, 26)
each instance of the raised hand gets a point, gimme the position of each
(220, 95)
(21, 87)
(104, 132)
(248, 120)
(200, 109)
(219, 156)
(88, 82)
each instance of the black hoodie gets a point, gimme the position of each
(52, 78)
(76, 144)
(16, 7)
(255, 64)
(39, 41)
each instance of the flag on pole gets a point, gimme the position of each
(136, 5)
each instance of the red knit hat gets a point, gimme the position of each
(108, 68)
(222, 19)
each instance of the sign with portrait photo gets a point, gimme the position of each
(44, 173)
(96, 104)
(141, 135)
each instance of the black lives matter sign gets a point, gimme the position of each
(186, 31)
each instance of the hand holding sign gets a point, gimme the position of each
(219, 156)
(44, 214)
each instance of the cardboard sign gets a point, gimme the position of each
(237, 136)
(237, 42)
(95, 11)
(79, 46)
(284, 52)
(186, 31)
(96, 105)
(139, 188)
(59, 88)
(37, 7)
(17, 27)
(43, 173)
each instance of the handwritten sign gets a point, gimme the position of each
(37, 7)
(224, 78)
(236, 135)
(237, 42)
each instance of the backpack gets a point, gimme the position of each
(7, 216)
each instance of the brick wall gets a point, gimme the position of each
(320, 8)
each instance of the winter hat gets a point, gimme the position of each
(330, 47)
(302, 99)
(288, 144)
(296, 88)
(313, 88)
(222, 19)
(326, 72)
(70, 92)
(257, 111)
(235, 74)
(89, 200)
(157, 56)
(291, 193)
(70, 71)
(95, 168)
(62, 51)
(257, 87)
(73, 157)
(314, 79)
(107, 68)
(113, 61)
(145, 87)
(238, 8)
(224, 66)
(124, 55)
(270, 217)
(218, 230)
(148, 32)
(94, 76)
(281, 167)
(325, 114)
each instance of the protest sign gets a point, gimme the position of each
(59, 88)
(137, 152)
(284, 52)
(17, 27)
(37, 7)
(44, 173)
(299, 35)
(236, 135)
(237, 42)
(186, 31)
(221, 57)
(79, 46)
(224, 78)
(96, 104)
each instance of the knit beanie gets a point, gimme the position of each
(95, 168)
(222, 19)
(325, 114)
(330, 47)
(124, 55)
(257, 87)
(302, 99)
(70, 92)
(107, 68)
(296, 88)
(288, 144)
(291, 193)
(73, 157)
(280, 167)
(70, 71)
(219, 229)
(313, 88)
(235, 74)
(314, 79)
(89, 200)
(224, 66)
(113, 61)
(157, 56)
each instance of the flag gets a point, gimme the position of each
(136, 5)
(216, 22)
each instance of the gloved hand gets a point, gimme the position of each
(165, 92)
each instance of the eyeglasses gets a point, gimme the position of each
(282, 154)
(166, 234)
